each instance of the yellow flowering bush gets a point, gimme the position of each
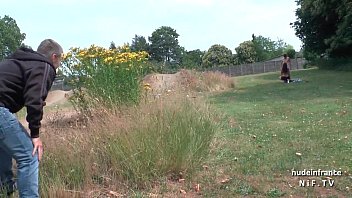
(101, 76)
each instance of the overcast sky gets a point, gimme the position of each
(200, 23)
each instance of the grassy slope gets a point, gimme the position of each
(271, 122)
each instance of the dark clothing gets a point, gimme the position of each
(286, 79)
(284, 68)
(25, 80)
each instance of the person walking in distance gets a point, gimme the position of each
(26, 77)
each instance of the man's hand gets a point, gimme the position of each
(38, 147)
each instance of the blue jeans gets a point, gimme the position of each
(16, 143)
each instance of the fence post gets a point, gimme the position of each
(264, 67)
(252, 68)
(241, 70)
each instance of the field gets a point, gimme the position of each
(274, 128)
(264, 131)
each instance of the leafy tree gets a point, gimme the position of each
(10, 36)
(164, 45)
(280, 48)
(291, 53)
(217, 55)
(246, 52)
(263, 47)
(139, 43)
(26, 46)
(325, 27)
(266, 49)
(192, 59)
(235, 59)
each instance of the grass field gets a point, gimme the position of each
(267, 130)
(272, 128)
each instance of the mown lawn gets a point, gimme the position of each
(272, 128)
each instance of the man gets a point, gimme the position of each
(26, 77)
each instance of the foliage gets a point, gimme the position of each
(164, 45)
(104, 77)
(217, 56)
(10, 36)
(339, 64)
(291, 53)
(260, 49)
(192, 59)
(139, 43)
(246, 52)
(325, 26)
(264, 48)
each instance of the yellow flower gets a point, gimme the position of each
(147, 86)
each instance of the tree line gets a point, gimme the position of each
(165, 51)
(324, 27)
(164, 48)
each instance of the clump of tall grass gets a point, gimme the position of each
(164, 138)
(169, 137)
(205, 81)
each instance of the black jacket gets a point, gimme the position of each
(25, 80)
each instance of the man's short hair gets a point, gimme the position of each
(48, 47)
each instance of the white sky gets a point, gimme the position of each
(200, 23)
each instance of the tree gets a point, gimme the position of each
(246, 52)
(192, 59)
(139, 43)
(266, 49)
(291, 53)
(164, 45)
(217, 56)
(10, 36)
(325, 27)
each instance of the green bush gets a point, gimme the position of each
(104, 77)
(340, 64)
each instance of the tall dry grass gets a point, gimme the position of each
(208, 81)
(134, 149)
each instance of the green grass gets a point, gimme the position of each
(273, 121)
(266, 123)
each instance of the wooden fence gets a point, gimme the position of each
(257, 68)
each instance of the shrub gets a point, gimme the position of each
(104, 77)
(343, 64)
